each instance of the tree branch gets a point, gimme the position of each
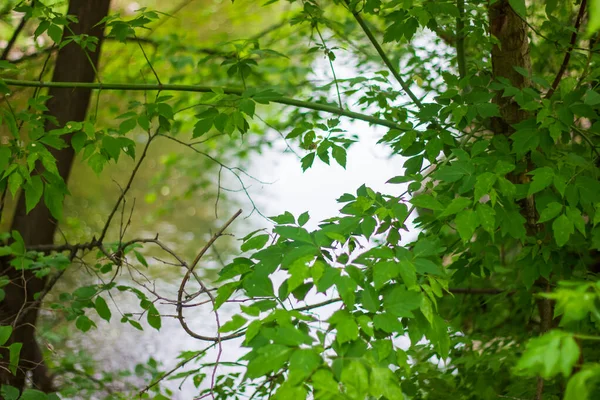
(460, 39)
(567, 57)
(14, 37)
(288, 101)
(385, 58)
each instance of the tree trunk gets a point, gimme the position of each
(513, 51)
(38, 227)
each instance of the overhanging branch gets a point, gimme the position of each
(288, 101)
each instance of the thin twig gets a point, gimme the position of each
(127, 187)
(186, 277)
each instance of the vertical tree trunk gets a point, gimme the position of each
(38, 227)
(513, 51)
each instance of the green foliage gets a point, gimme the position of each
(478, 281)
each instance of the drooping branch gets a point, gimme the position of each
(335, 110)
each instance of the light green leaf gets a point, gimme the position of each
(594, 19)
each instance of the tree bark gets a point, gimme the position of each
(513, 51)
(38, 227)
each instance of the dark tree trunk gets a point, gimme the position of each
(38, 227)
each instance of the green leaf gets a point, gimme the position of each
(53, 198)
(293, 233)
(339, 155)
(519, 7)
(408, 272)
(484, 184)
(511, 223)
(269, 359)
(581, 384)
(487, 217)
(455, 171)
(303, 218)
(594, 20)
(346, 326)
(400, 302)
(14, 182)
(487, 110)
(554, 353)
(33, 192)
(32, 394)
(383, 272)
(84, 324)
(236, 322)
(427, 201)
(307, 161)
(5, 155)
(305, 361)
(247, 106)
(563, 228)
(154, 319)
(55, 33)
(542, 178)
(5, 332)
(9, 392)
(525, 140)
(356, 380)
(370, 299)
(550, 212)
(256, 242)
(102, 309)
(427, 309)
(387, 323)
(456, 205)
(112, 146)
(466, 223)
(14, 351)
